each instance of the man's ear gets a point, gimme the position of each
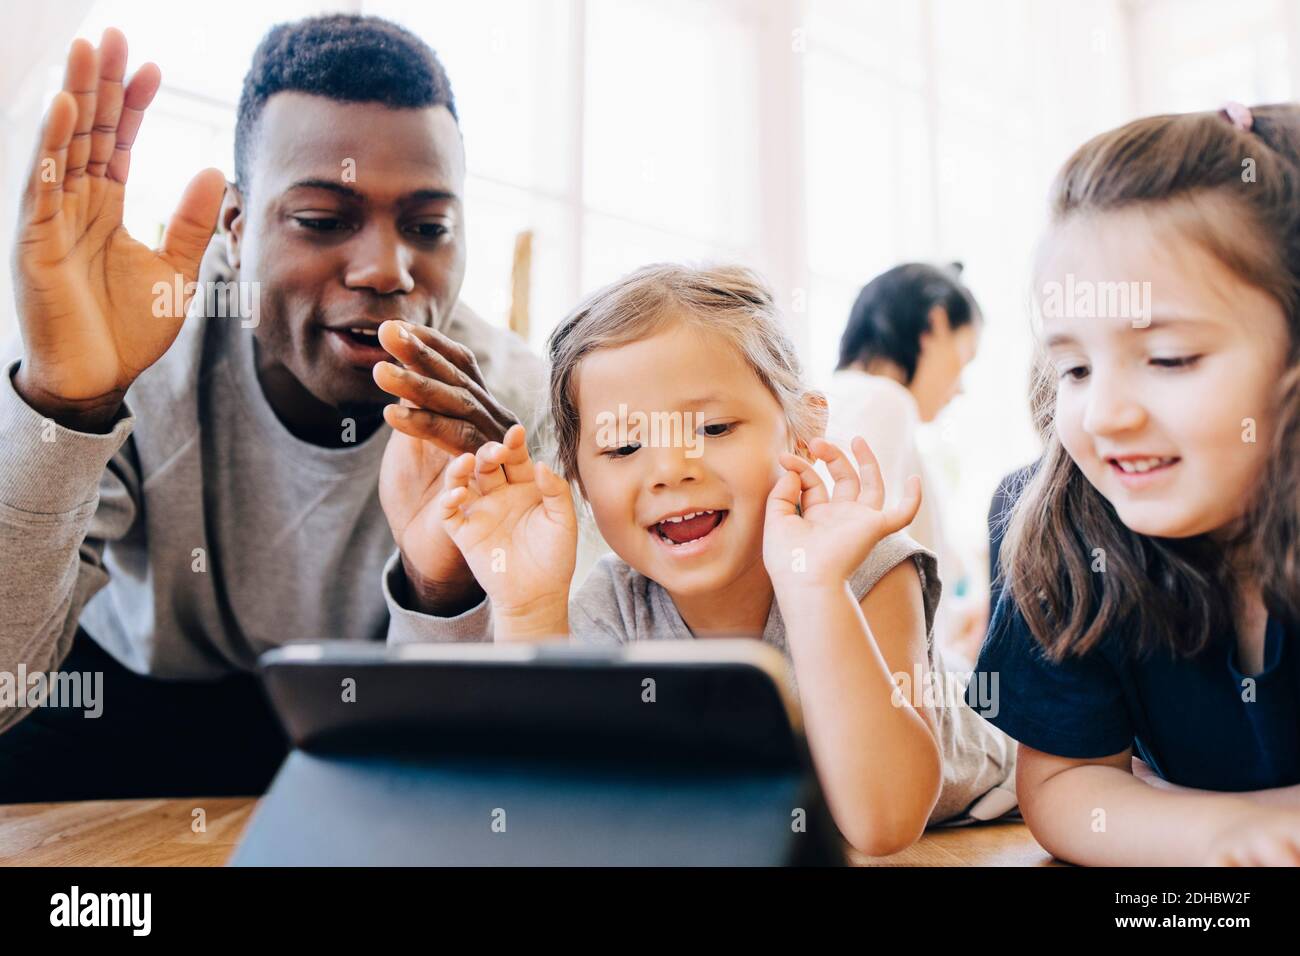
(231, 223)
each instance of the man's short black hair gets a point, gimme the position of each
(346, 57)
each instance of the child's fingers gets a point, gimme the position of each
(873, 486)
(459, 472)
(487, 467)
(514, 457)
(557, 499)
(783, 499)
(1285, 850)
(814, 489)
(904, 510)
(449, 503)
(452, 505)
(847, 484)
(1268, 852)
(1288, 855)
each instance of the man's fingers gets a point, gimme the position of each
(108, 101)
(414, 350)
(81, 79)
(193, 222)
(440, 399)
(431, 394)
(452, 435)
(45, 187)
(432, 353)
(433, 376)
(449, 349)
(138, 95)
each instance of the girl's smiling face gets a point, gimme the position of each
(724, 459)
(1168, 413)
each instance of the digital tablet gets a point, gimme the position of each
(663, 700)
(658, 752)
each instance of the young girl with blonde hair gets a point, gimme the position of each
(720, 526)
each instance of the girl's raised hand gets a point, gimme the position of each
(811, 537)
(514, 521)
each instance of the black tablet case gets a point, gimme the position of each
(553, 759)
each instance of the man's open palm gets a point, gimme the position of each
(85, 289)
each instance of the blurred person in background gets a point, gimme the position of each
(911, 332)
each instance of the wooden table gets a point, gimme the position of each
(989, 844)
(163, 833)
(122, 832)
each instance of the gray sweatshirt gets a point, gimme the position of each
(617, 604)
(199, 532)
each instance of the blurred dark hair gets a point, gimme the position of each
(892, 312)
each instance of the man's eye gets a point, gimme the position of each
(431, 230)
(622, 451)
(722, 429)
(1180, 361)
(322, 224)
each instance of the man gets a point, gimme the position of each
(197, 491)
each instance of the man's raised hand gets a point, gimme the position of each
(84, 288)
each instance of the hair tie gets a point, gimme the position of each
(1239, 116)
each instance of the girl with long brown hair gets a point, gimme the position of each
(1146, 645)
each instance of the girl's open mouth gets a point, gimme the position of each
(1136, 471)
(688, 533)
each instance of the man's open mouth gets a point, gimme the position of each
(357, 345)
(360, 336)
(685, 528)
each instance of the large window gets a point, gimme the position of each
(617, 133)
(821, 141)
(932, 131)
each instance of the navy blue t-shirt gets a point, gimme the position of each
(1198, 722)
